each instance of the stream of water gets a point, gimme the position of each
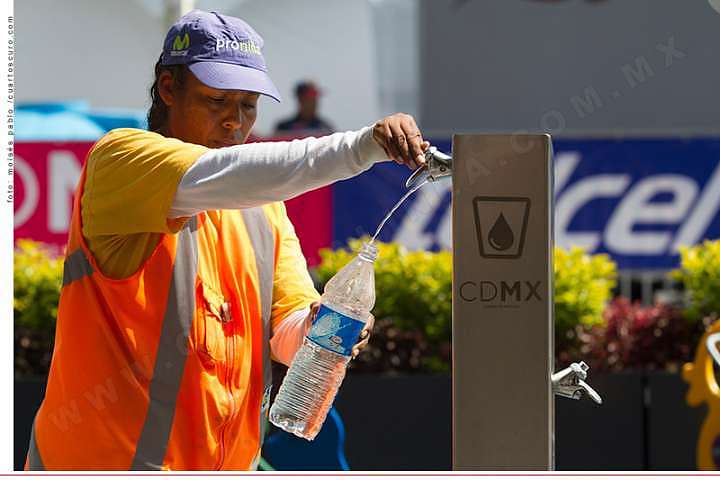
(397, 205)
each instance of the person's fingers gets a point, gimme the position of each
(381, 138)
(400, 141)
(382, 135)
(369, 323)
(367, 328)
(314, 307)
(414, 139)
(416, 150)
(390, 146)
(365, 334)
(359, 346)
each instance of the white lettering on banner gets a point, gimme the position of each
(693, 213)
(565, 164)
(707, 206)
(577, 195)
(64, 172)
(444, 236)
(637, 207)
(31, 189)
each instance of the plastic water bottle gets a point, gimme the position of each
(318, 369)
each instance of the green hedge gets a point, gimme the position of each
(37, 277)
(413, 308)
(583, 287)
(700, 274)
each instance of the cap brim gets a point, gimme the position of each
(228, 76)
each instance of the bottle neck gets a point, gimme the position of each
(368, 252)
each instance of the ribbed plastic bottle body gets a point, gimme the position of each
(318, 369)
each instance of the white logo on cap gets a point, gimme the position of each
(247, 46)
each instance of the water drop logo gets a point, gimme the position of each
(501, 236)
(501, 223)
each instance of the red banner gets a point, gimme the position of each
(46, 174)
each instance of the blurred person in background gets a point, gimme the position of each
(306, 121)
(183, 275)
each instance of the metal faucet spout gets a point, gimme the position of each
(437, 165)
(570, 382)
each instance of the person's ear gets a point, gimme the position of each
(165, 87)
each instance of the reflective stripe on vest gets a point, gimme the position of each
(262, 239)
(34, 461)
(75, 267)
(171, 353)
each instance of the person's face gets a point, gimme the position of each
(308, 105)
(207, 116)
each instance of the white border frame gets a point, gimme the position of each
(7, 356)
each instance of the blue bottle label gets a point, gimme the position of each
(335, 331)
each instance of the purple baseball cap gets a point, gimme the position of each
(222, 52)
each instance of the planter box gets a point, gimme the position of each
(610, 436)
(404, 423)
(28, 394)
(673, 427)
(397, 423)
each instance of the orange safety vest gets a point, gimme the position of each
(169, 368)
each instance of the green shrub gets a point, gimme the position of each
(37, 277)
(583, 286)
(700, 274)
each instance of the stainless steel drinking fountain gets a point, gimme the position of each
(503, 385)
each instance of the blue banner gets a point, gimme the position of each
(635, 199)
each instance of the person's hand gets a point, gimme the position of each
(364, 334)
(314, 307)
(401, 139)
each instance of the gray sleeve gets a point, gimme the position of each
(254, 174)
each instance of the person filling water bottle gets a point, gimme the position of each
(318, 369)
